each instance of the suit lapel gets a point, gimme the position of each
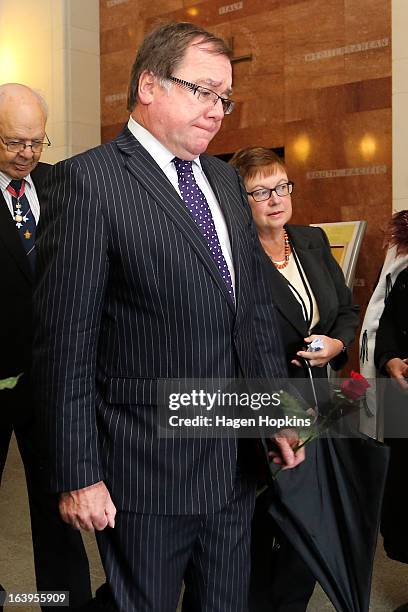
(310, 256)
(143, 167)
(38, 175)
(283, 297)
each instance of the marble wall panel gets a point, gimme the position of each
(215, 12)
(117, 13)
(128, 36)
(159, 9)
(114, 84)
(368, 21)
(188, 3)
(260, 35)
(339, 99)
(230, 140)
(314, 28)
(108, 132)
(309, 103)
(366, 138)
(368, 95)
(369, 64)
(263, 111)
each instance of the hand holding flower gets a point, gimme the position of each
(346, 399)
(289, 452)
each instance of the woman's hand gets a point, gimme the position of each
(398, 368)
(331, 348)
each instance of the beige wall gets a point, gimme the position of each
(400, 104)
(57, 53)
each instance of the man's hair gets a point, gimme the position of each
(256, 161)
(164, 49)
(5, 91)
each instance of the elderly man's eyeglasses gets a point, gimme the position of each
(205, 95)
(284, 189)
(17, 146)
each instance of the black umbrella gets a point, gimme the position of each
(329, 509)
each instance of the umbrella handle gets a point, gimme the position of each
(308, 368)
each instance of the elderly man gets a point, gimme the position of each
(59, 555)
(146, 259)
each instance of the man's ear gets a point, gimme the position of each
(147, 85)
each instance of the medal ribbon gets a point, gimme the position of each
(14, 193)
(24, 219)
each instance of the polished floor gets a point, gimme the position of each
(390, 585)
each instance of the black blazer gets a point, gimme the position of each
(392, 334)
(16, 333)
(338, 315)
(16, 290)
(129, 294)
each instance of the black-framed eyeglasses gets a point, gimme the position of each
(17, 146)
(284, 189)
(205, 95)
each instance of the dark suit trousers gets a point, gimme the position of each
(146, 557)
(59, 555)
(280, 580)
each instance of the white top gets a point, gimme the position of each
(29, 191)
(292, 274)
(370, 422)
(164, 159)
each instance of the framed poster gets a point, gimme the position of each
(345, 239)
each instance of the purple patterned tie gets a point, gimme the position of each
(201, 213)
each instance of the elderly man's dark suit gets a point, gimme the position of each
(60, 559)
(143, 301)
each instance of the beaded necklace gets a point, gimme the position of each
(287, 252)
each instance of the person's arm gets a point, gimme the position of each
(388, 356)
(72, 273)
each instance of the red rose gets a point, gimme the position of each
(354, 387)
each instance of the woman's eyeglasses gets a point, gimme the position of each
(284, 189)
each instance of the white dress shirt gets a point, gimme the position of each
(29, 191)
(164, 158)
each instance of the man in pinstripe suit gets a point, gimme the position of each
(135, 287)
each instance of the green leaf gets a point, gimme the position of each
(9, 383)
(291, 408)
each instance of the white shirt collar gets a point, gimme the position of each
(160, 154)
(5, 180)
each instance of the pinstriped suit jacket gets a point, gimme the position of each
(128, 293)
